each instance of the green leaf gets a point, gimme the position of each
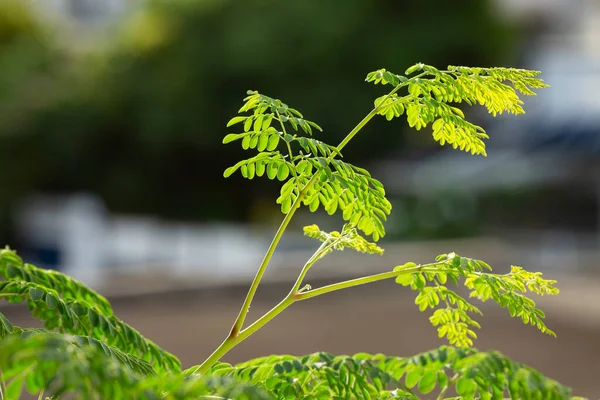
(93, 316)
(229, 171)
(314, 204)
(235, 120)
(414, 68)
(427, 382)
(12, 272)
(35, 294)
(273, 142)
(282, 172)
(246, 142)
(233, 136)
(258, 123)
(260, 168)
(272, 170)
(418, 281)
(412, 377)
(51, 301)
(466, 388)
(404, 279)
(253, 141)
(247, 124)
(442, 378)
(6, 327)
(263, 140)
(14, 388)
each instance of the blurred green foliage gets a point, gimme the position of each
(134, 120)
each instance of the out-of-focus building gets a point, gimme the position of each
(77, 235)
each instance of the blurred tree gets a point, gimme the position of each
(145, 114)
(29, 64)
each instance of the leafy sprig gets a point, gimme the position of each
(82, 368)
(348, 238)
(13, 267)
(75, 309)
(429, 95)
(308, 167)
(472, 374)
(454, 321)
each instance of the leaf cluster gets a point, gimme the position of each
(453, 316)
(348, 238)
(67, 306)
(59, 364)
(470, 373)
(84, 349)
(431, 93)
(309, 167)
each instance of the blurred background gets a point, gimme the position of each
(112, 114)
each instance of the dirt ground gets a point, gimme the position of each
(376, 318)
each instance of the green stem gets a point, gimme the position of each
(239, 322)
(321, 251)
(294, 169)
(373, 112)
(364, 280)
(450, 383)
(230, 342)
(294, 296)
(259, 323)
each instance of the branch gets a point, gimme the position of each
(366, 279)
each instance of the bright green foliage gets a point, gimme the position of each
(13, 268)
(6, 327)
(349, 238)
(87, 352)
(57, 364)
(60, 364)
(307, 165)
(452, 318)
(66, 305)
(431, 91)
(473, 374)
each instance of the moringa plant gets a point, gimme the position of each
(86, 351)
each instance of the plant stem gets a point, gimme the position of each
(259, 323)
(363, 280)
(450, 383)
(294, 169)
(239, 322)
(230, 342)
(321, 251)
(294, 296)
(373, 112)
